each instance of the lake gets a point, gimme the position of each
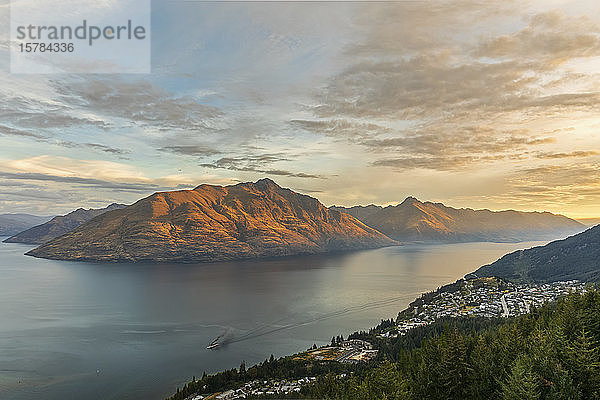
(137, 331)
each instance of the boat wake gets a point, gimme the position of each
(276, 326)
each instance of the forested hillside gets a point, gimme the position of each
(576, 257)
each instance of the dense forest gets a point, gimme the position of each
(551, 353)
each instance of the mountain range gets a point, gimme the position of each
(11, 224)
(59, 225)
(576, 257)
(413, 220)
(214, 223)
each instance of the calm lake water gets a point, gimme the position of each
(131, 331)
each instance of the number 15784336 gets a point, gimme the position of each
(36, 47)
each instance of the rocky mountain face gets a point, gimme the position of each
(214, 223)
(413, 220)
(576, 257)
(60, 225)
(11, 224)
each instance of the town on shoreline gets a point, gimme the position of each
(479, 297)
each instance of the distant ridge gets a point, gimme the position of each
(214, 223)
(576, 257)
(11, 224)
(60, 225)
(413, 220)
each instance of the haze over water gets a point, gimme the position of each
(136, 331)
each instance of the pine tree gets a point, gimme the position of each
(455, 368)
(384, 382)
(521, 384)
(583, 359)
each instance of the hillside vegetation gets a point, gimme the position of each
(576, 257)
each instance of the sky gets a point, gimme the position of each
(471, 103)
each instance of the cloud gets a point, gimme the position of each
(140, 102)
(93, 146)
(78, 173)
(37, 113)
(416, 27)
(460, 140)
(32, 113)
(137, 187)
(467, 82)
(260, 163)
(106, 149)
(92, 173)
(573, 154)
(558, 177)
(191, 150)
(8, 131)
(66, 167)
(437, 163)
(32, 194)
(553, 187)
(341, 127)
(551, 37)
(434, 87)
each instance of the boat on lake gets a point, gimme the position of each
(214, 343)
